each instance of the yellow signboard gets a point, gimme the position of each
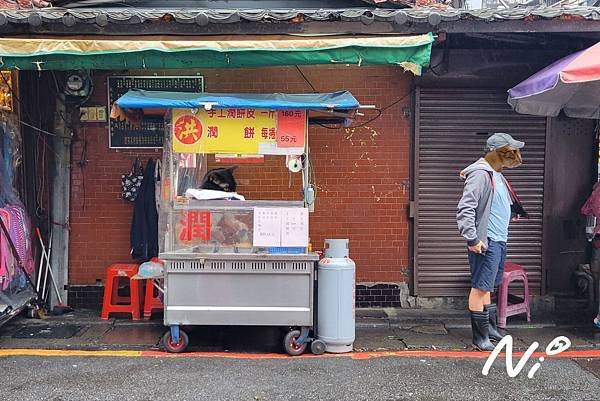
(240, 131)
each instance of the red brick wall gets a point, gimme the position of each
(361, 174)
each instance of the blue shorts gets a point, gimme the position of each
(487, 267)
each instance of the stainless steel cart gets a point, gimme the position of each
(239, 289)
(222, 279)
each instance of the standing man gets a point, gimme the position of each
(487, 205)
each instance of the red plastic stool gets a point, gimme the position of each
(152, 300)
(116, 298)
(512, 272)
(112, 302)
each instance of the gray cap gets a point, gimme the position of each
(500, 139)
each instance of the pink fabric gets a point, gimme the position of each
(584, 68)
(4, 279)
(6, 258)
(592, 207)
(21, 235)
(16, 221)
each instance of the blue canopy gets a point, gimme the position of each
(141, 99)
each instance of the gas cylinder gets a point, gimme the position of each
(336, 297)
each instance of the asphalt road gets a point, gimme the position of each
(385, 378)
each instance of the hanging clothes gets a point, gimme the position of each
(20, 232)
(157, 178)
(16, 222)
(144, 225)
(6, 258)
(7, 192)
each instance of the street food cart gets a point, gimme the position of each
(228, 260)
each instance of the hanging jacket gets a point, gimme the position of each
(144, 225)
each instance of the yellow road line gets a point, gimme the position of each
(66, 353)
(593, 353)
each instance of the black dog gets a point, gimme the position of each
(220, 179)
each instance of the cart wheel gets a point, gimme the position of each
(317, 347)
(170, 346)
(290, 347)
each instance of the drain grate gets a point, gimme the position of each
(43, 331)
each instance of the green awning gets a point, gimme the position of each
(410, 52)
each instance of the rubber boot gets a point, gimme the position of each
(493, 311)
(480, 325)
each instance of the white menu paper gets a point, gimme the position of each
(294, 227)
(267, 226)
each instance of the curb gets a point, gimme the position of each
(19, 352)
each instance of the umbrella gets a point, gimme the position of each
(571, 84)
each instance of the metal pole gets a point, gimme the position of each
(46, 259)
(60, 201)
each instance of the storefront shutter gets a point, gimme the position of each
(452, 126)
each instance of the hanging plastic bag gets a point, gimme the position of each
(131, 182)
(150, 270)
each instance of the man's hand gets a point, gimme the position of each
(479, 248)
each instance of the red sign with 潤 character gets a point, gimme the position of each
(195, 224)
(291, 128)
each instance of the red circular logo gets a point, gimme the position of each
(188, 129)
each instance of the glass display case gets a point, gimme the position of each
(188, 225)
(228, 260)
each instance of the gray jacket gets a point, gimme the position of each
(473, 210)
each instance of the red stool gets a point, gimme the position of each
(152, 300)
(112, 302)
(116, 298)
(512, 272)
